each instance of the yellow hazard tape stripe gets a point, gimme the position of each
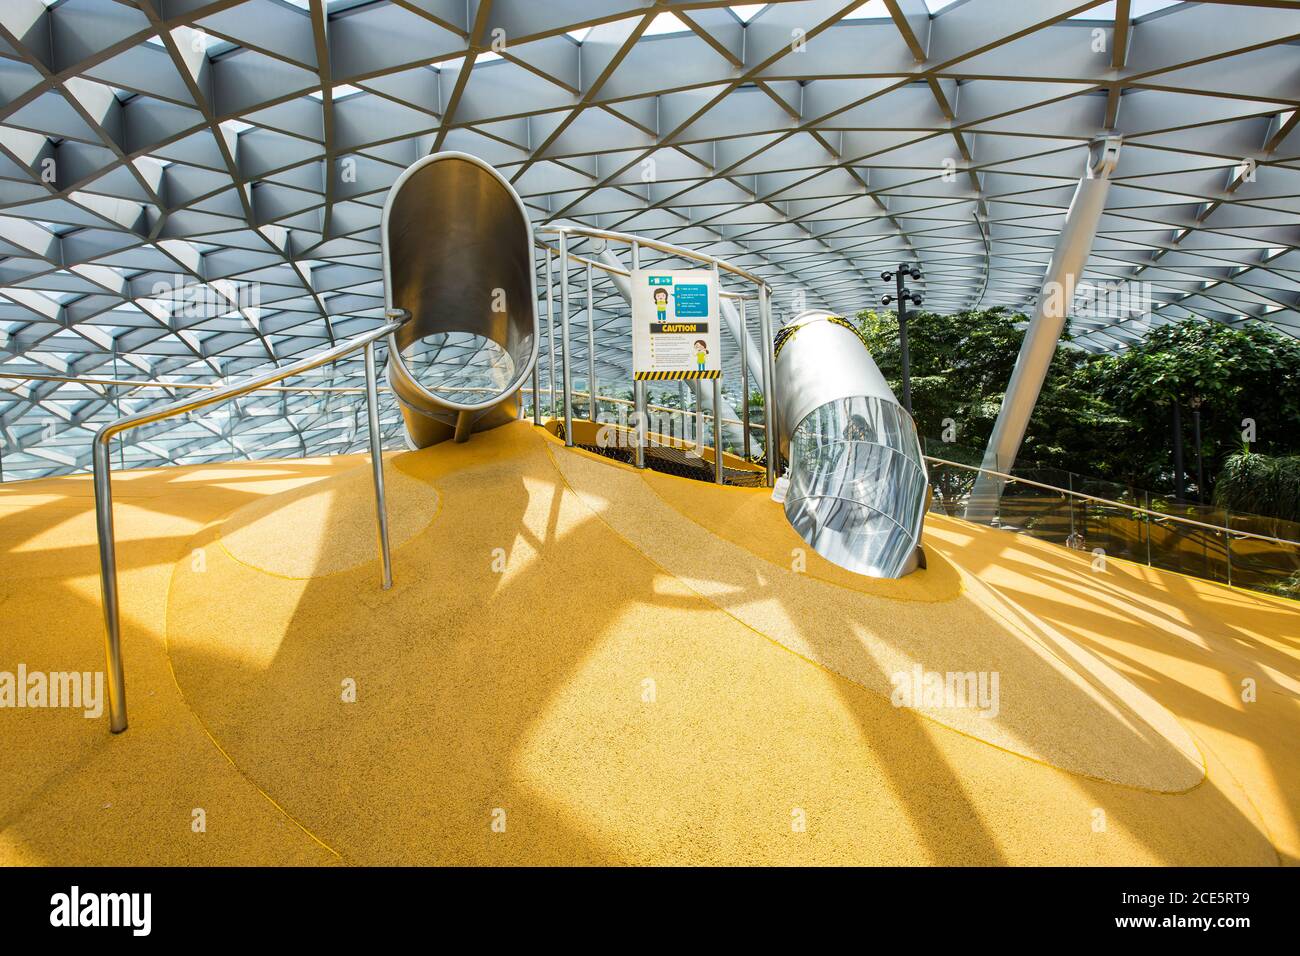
(667, 376)
(787, 333)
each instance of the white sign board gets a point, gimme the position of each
(675, 324)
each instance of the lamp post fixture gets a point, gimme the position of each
(903, 295)
(1200, 458)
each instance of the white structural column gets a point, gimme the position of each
(1044, 332)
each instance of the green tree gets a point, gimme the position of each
(961, 364)
(1260, 484)
(1245, 380)
(1105, 416)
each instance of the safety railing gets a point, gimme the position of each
(670, 410)
(681, 429)
(563, 233)
(133, 384)
(1127, 528)
(102, 466)
(1076, 537)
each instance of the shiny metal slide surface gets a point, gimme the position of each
(458, 255)
(858, 483)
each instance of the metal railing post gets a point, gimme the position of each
(698, 388)
(638, 423)
(564, 340)
(683, 414)
(591, 351)
(638, 388)
(1227, 541)
(744, 379)
(108, 583)
(102, 467)
(377, 465)
(717, 431)
(550, 330)
(1069, 500)
(771, 444)
(1146, 497)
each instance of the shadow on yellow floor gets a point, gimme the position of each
(1189, 643)
(70, 792)
(663, 696)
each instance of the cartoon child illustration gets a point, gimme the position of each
(661, 304)
(701, 353)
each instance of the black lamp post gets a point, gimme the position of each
(903, 296)
(1200, 458)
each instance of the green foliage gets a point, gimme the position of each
(1234, 374)
(1288, 587)
(1260, 484)
(961, 365)
(1104, 416)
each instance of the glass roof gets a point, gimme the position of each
(191, 191)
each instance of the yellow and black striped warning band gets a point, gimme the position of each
(672, 376)
(787, 333)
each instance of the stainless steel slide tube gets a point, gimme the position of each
(857, 476)
(458, 255)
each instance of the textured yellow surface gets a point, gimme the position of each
(327, 526)
(610, 702)
(1045, 697)
(70, 793)
(744, 516)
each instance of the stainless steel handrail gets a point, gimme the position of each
(1164, 516)
(133, 384)
(1117, 504)
(613, 270)
(104, 492)
(665, 247)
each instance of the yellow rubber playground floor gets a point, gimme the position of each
(580, 663)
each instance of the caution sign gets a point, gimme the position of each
(675, 324)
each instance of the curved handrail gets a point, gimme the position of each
(665, 247)
(626, 273)
(1163, 516)
(637, 243)
(135, 383)
(102, 466)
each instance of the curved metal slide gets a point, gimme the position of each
(858, 483)
(458, 256)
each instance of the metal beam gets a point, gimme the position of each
(1044, 332)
